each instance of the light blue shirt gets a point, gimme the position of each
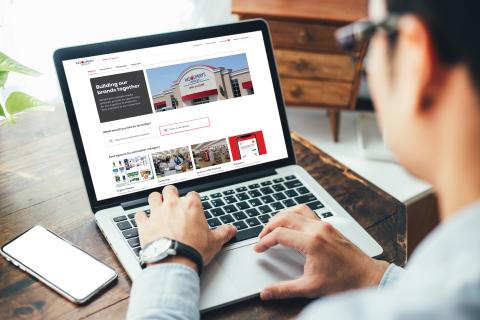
(441, 281)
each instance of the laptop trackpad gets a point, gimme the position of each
(240, 273)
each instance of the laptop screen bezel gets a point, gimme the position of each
(109, 47)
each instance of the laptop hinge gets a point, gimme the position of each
(206, 186)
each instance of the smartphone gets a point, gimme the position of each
(247, 146)
(60, 265)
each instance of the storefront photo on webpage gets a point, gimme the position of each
(198, 82)
(128, 170)
(210, 153)
(247, 146)
(170, 162)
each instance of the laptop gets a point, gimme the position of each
(200, 109)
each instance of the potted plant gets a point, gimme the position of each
(17, 101)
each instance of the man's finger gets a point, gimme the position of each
(155, 200)
(284, 290)
(303, 210)
(223, 234)
(288, 237)
(193, 200)
(141, 218)
(287, 219)
(170, 194)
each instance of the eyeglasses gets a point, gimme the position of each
(353, 35)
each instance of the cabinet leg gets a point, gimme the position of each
(334, 118)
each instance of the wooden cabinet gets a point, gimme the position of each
(313, 69)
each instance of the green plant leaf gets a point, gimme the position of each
(3, 78)
(19, 101)
(8, 64)
(2, 113)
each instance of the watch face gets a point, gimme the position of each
(157, 249)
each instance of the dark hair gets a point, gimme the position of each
(454, 26)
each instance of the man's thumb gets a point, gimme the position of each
(283, 290)
(224, 233)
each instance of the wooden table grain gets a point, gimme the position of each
(41, 183)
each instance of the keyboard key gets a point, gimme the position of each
(254, 186)
(119, 218)
(137, 251)
(230, 199)
(217, 212)
(252, 222)
(291, 177)
(242, 196)
(216, 195)
(315, 205)
(206, 205)
(134, 242)
(305, 198)
(239, 215)
(241, 189)
(277, 206)
(265, 209)
(147, 212)
(130, 233)
(252, 212)
(228, 192)
(254, 193)
(289, 203)
(327, 215)
(273, 214)
(230, 208)
(246, 234)
(134, 223)
(278, 187)
(279, 196)
(266, 183)
(124, 225)
(302, 190)
(291, 193)
(207, 214)
(267, 199)
(267, 190)
(131, 216)
(243, 205)
(255, 202)
(240, 225)
(293, 184)
(278, 180)
(218, 202)
(214, 222)
(203, 198)
(226, 219)
(264, 218)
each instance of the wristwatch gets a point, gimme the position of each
(164, 247)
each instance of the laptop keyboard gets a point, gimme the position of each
(248, 208)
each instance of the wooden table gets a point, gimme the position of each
(41, 183)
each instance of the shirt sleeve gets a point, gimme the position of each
(391, 276)
(165, 291)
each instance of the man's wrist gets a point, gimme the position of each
(179, 260)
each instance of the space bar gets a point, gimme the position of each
(246, 234)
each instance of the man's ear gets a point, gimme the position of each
(418, 68)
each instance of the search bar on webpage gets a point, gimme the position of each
(183, 126)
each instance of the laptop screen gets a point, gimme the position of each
(172, 113)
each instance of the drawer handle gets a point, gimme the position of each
(304, 37)
(296, 91)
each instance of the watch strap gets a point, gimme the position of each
(190, 253)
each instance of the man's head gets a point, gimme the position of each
(425, 80)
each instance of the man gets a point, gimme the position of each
(424, 73)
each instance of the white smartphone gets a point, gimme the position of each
(247, 146)
(60, 265)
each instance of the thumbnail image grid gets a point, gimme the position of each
(128, 170)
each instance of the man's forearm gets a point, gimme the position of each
(165, 291)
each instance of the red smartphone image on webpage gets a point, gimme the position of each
(247, 146)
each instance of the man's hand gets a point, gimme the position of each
(333, 263)
(181, 219)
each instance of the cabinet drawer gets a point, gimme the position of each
(309, 65)
(304, 36)
(317, 92)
